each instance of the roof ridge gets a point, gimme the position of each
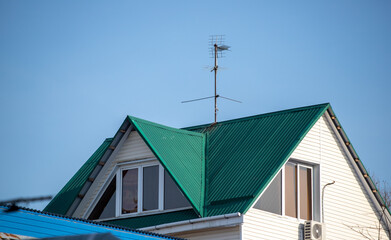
(192, 128)
(179, 130)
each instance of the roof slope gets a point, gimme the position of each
(64, 199)
(181, 153)
(244, 155)
(39, 224)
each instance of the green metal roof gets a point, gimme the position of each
(181, 153)
(156, 219)
(243, 155)
(64, 199)
(221, 168)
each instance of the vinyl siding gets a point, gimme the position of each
(132, 148)
(347, 203)
(259, 224)
(230, 233)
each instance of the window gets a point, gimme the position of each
(298, 191)
(148, 188)
(293, 192)
(137, 189)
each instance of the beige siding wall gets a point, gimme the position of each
(348, 206)
(230, 233)
(259, 224)
(132, 148)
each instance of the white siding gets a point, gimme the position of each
(130, 149)
(133, 148)
(347, 203)
(259, 224)
(229, 233)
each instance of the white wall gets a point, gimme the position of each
(229, 233)
(131, 148)
(347, 204)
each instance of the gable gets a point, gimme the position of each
(345, 202)
(133, 148)
(179, 152)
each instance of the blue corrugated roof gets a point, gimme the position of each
(38, 224)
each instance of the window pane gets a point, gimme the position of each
(271, 199)
(305, 193)
(129, 190)
(173, 197)
(290, 190)
(150, 188)
(105, 208)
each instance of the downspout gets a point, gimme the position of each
(328, 184)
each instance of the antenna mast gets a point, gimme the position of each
(217, 46)
(215, 70)
(216, 50)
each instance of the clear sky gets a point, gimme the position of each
(70, 72)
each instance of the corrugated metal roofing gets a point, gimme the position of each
(243, 155)
(156, 219)
(222, 168)
(64, 199)
(38, 224)
(182, 154)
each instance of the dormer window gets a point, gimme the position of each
(139, 189)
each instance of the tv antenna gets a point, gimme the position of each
(217, 49)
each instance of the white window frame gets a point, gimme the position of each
(140, 171)
(298, 164)
(140, 165)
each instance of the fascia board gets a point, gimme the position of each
(353, 154)
(110, 152)
(226, 220)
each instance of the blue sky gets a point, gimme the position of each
(70, 71)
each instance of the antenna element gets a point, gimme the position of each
(216, 50)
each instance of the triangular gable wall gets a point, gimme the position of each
(349, 205)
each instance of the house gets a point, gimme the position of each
(25, 223)
(290, 174)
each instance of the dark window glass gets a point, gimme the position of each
(150, 188)
(271, 199)
(290, 190)
(173, 198)
(129, 190)
(305, 193)
(105, 208)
